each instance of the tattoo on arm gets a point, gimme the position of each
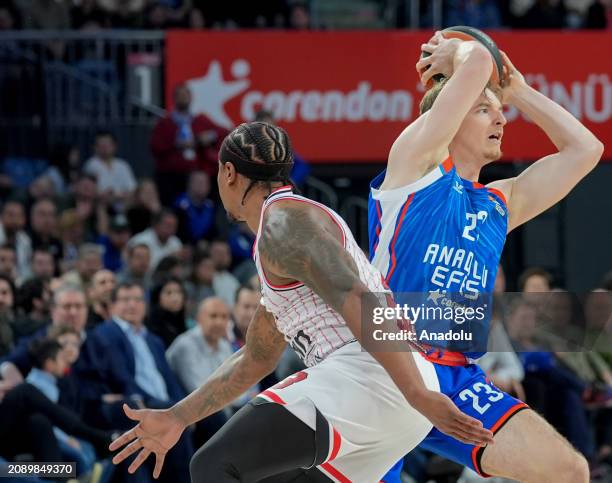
(295, 243)
(264, 346)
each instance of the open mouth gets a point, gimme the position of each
(495, 137)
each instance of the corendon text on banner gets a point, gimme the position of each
(345, 96)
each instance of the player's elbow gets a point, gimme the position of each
(586, 152)
(592, 152)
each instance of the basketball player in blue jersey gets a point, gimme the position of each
(434, 228)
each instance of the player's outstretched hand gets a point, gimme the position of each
(440, 54)
(445, 416)
(156, 432)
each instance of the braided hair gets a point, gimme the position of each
(259, 151)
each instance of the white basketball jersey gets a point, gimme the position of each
(312, 328)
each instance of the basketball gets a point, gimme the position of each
(466, 33)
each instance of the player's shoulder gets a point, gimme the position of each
(503, 187)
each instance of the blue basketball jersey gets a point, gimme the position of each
(441, 233)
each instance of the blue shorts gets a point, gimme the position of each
(476, 396)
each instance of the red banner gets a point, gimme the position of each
(345, 96)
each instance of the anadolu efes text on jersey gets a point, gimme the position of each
(441, 233)
(440, 237)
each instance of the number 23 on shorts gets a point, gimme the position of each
(481, 393)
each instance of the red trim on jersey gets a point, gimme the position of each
(335, 473)
(447, 164)
(397, 230)
(499, 194)
(446, 358)
(276, 398)
(379, 224)
(496, 427)
(336, 447)
(300, 200)
(287, 186)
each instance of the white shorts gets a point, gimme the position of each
(372, 424)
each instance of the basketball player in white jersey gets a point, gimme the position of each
(351, 414)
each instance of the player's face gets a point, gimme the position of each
(481, 132)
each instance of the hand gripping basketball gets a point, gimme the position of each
(461, 33)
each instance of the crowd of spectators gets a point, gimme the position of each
(290, 14)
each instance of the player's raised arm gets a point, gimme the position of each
(424, 143)
(551, 178)
(296, 244)
(158, 430)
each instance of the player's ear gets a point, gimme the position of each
(229, 172)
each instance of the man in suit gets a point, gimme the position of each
(132, 362)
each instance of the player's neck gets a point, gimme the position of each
(252, 210)
(468, 167)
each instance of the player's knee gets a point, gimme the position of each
(210, 465)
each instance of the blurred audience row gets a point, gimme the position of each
(291, 14)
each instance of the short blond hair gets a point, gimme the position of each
(432, 94)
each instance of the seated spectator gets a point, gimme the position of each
(197, 353)
(50, 364)
(27, 417)
(599, 15)
(196, 212)
(132, 358)
(73, 236)
(241, 241)
(551, 389)
(33, 307)
(247, 301)
(9, 16)
(102, 285)
(160, 238)
(132, 361)
(86, 13)
(545, 14)
(299, 17)
(43, 228)
(137, 265)
(200, 286)
(7, 316)
(225, 284)
(145, 207)
(88, 206)
(43, 265)
(46, 15)
(8, 261)
(124, 14)
(69, 308)
(501, 363)
(115, 242)
(184, 142)
(115, 179)
(481, 14)
(167, 313)
(88, 263)
(64, 167)
(12, 224)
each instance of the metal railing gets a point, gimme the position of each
(354, 210)
(320, 191)
(64, 86)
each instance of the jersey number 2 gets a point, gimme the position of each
(491, 394)
(473, 219)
